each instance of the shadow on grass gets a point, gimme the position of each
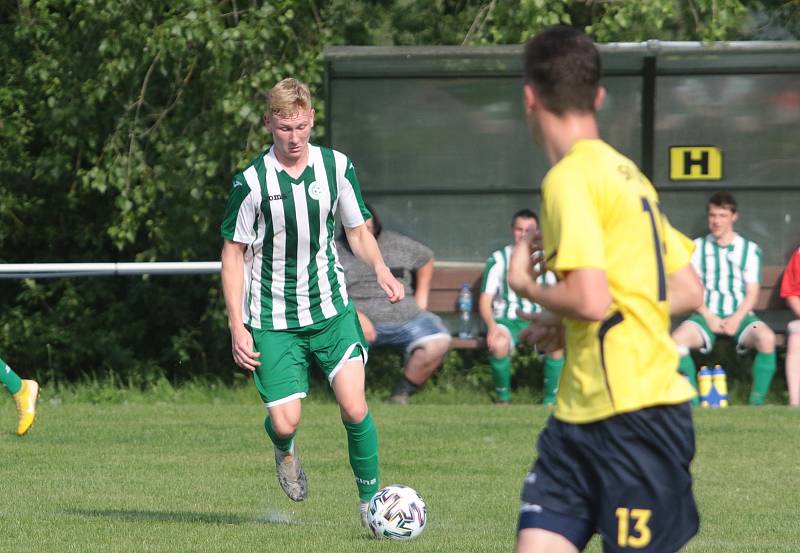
(273, 517)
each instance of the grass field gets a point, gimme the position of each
(199, 476)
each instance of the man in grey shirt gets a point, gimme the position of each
(405, 324)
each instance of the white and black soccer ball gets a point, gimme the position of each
(397, 512)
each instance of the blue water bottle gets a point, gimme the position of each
(465, 312)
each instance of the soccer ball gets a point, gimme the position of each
(396, 512)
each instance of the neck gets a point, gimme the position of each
(726, 239)
(562, 132)
(294, 167)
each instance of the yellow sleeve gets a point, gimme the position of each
(573, 222)
(678, 248)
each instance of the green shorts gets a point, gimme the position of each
(709, 337)
(514, 327)
(287, 354)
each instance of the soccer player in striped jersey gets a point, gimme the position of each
(285, 291)
(729, 266)
(25, 394)
(504, 313)
(614, 457)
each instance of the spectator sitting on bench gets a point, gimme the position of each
(790, 290)
(405, 324)
(503, 312)
(729, 267)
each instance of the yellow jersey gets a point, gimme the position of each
(600, 212)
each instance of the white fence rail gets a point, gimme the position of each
(65, 270)
(61, 270)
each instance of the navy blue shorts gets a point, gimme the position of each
(626, 478)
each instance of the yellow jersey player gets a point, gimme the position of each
(614, 457)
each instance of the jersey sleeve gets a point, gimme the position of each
(238, 222)
(752, 267)
(573, 234)
(351, 204)
(790, 283)
(679, 250)
(492, 273)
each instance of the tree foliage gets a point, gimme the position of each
(121, 123)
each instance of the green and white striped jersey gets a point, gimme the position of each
(725, 271)
(506, 304)
(292, 275)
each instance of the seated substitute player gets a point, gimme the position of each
(729, 266)
(504, 315)
(405, 324)
(790, 290)
(285, 292)
(614, 457)
(25, 394)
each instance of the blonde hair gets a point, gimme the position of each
(289, 97)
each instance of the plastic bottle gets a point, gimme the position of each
(465, 312)
(720, 382)
(704, 383)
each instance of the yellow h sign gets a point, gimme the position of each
(695, 163)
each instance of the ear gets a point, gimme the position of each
(735, 216)
(599, 98)
(268, 122)
(311, 117)
(529, 97)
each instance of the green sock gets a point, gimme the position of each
(362, 447)
(501, 376)
(9, 378)
(552, 374)
(688, 369)
(284, 444)
(763, 370)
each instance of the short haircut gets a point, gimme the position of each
(724, 200)
(525, 214)
(288, 98)
(563, 65)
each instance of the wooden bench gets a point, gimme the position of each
(450, 276)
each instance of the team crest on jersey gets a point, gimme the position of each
(315, 190)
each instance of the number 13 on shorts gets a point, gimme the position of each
(632, 527)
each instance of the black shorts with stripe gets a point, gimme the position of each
(626, 477)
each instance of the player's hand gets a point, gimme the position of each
(492, 335)
(394, 289)
(546, 331)
(731, 324)
(715, 324)
(521, 273)
(242, 348)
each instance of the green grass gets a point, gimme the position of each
(198, 475)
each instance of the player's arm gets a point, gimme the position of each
(582, 294)
(423, 288)
(493, 331)
(684, 291)
(794, 304)
(366, 249)
(233, 289)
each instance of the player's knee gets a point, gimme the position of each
(355, 411)
(765, 339)
(285, 425)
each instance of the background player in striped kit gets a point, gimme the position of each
(284, 288)
(503, 313)
(729, 267)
